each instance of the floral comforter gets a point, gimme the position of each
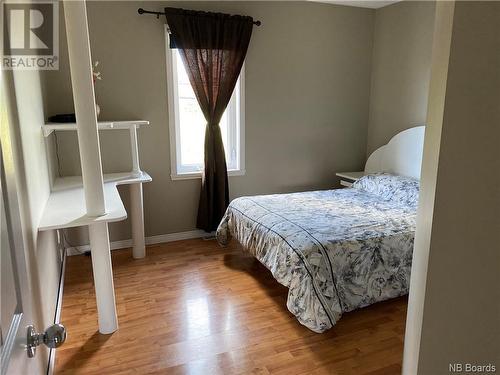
(336, 250)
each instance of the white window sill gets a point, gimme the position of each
(195, 175)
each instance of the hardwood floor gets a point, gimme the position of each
(192, 307)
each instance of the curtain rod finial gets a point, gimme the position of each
(140, 11)
(258, 23)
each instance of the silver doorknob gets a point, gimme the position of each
(53, 337)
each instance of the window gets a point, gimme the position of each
(187, 123)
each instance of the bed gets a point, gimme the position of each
(336, 250)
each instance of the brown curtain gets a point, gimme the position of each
(213, 47)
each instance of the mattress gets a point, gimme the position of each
(335, 250)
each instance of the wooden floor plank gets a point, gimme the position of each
(192, 307)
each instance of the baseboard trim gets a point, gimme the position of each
(152, 240)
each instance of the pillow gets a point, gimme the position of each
(390, 187)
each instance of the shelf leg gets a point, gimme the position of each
(137, 218)
(136, 169)
(103, 277)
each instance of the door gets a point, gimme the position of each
(17, 347)
(16, 298)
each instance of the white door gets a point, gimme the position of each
(15, 293)
(16, 299)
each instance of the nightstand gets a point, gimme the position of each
(348, 178)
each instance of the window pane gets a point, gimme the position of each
(192, 123)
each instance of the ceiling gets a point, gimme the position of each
(373, 4)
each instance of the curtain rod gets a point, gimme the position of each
(142, 11)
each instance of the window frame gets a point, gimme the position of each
(236, 132)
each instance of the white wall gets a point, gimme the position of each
(454, 309)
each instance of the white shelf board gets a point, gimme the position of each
(102, 125)
(126, 178)
(65, 207)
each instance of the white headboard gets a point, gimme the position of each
(402, 155)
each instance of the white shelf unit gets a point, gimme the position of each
(66, 208)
